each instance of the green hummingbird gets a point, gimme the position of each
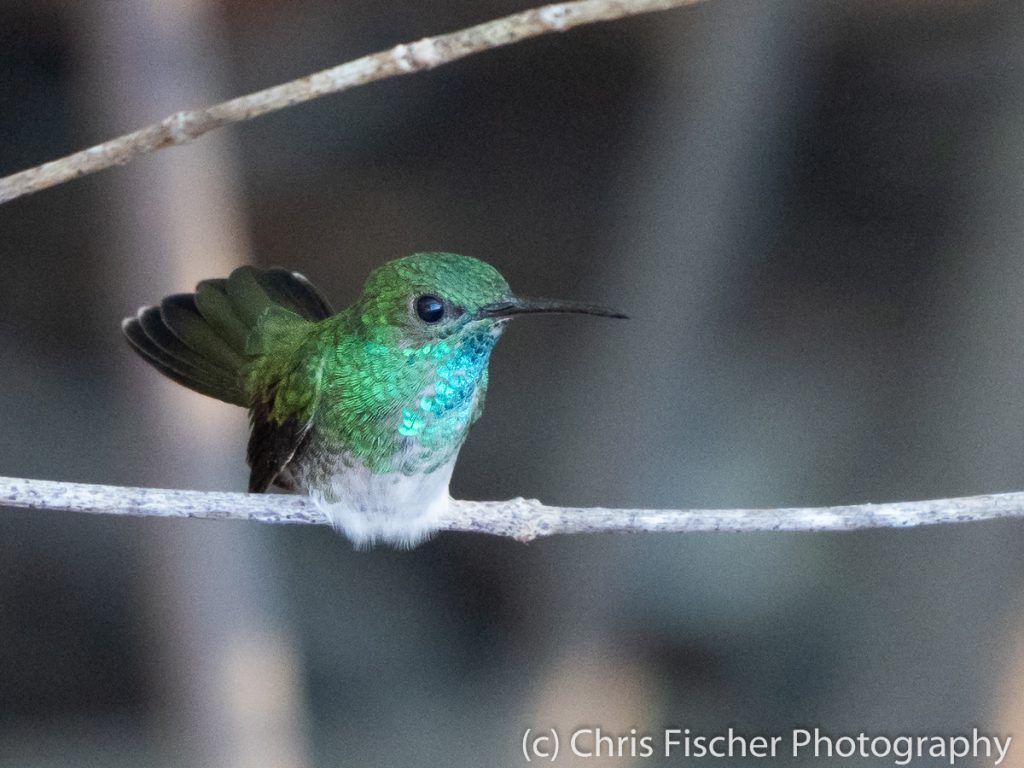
(364, 409)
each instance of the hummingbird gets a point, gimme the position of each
(364, 409)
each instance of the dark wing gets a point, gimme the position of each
(199, 340)
(204, 341)
(275, 446)
(174, 338)
(292, 290)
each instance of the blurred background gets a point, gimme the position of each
(814, 213)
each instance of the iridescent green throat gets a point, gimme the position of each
(398, 407)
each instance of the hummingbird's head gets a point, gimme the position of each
(430, 296)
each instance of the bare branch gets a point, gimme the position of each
(522, 519)
(430, 52)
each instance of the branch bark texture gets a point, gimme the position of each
(430, 52)
(522, 519)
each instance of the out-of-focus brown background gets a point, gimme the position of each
(814, 213)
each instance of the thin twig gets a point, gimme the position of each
(522, 519)
(430, 52)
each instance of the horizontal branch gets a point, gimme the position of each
(522, 519)
(430, 52)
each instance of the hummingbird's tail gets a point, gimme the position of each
(199, 339)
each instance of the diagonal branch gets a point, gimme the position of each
(430, 52)
(522, 519)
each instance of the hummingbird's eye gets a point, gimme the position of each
(429, 308)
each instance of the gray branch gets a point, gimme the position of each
(430, 52)
(522, 519)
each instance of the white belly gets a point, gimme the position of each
(391, 508)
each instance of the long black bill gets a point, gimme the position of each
(521, 306)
